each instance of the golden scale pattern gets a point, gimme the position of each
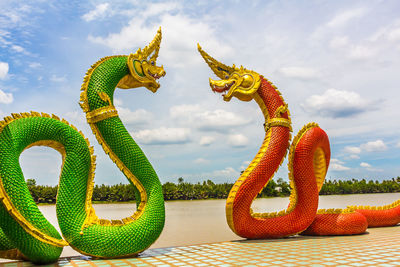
(92, 118)
(268, 124)
(5, 198)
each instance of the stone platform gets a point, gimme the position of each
(379, 247)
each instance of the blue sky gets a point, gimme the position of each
(336, 63)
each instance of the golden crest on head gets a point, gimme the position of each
(237, 82)
(142, 67)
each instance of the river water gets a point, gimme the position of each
(203, 221)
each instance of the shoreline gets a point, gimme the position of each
(176, 200)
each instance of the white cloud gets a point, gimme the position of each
(180, 35)
(34, 65)
(352, 149)
(374, 146)
(183, 111)
(201, 161)
(353, 46)
(366, 50)
(365, 165)
(96, 13)
(369, 167)
(398, 144)
(339, 42)
(76, 117)
(139, 116)
(219, 120)
(6, 98)
(159, 8)
(3, 70)
(18, 48)
(344, 17)
(394, 34)
(162, 136)
(298, 72)
(390, 32)
(118, 102)
(337, 165)
(216, 120)
(58, 79)
(14, 14)
(336, 104)
(228, 173)
(237, 140)
(206, 140)
(361, 52)
(4, 35)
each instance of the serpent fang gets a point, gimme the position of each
(24, 231)
(309, 156)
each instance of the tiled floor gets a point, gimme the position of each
(380, 247)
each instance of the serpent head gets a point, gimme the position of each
(237, 82)
(142, 67)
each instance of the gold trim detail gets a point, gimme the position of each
(319, 165)
(12, 254)
(101, 114)
(335, 211)
(93, 117)
(242, 178)
(27, 226)
(83, 96)
(263, 149)
(385, 207)
(50, 143)
(217, 67)
(277, 122)
(91, 215)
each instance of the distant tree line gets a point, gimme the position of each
(339, 187)
(209, 190)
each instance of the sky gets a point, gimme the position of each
(336, 63)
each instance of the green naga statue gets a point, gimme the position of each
(24, 231)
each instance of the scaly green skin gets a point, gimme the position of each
(14, 138)
(104, 241)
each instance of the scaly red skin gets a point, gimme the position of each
(353, 223)
(381, 218)
(303, 213)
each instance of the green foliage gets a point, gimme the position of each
(113, 193)
(209, 190)
(30, 182)
(43, 193)
(360, 187)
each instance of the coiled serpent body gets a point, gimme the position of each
(309, 156)
(25, 232)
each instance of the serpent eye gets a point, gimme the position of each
(137, 66)
(152, 63)
(226, 77)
